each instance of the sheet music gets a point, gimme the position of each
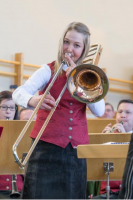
(116, 143)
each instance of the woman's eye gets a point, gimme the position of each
(65, 42)
(77, 45)
(4, 107)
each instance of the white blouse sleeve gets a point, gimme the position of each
(37, 81)
(97, 108)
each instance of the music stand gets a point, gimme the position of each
(100, 138)
(101, 156)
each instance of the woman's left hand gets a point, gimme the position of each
(72, 65)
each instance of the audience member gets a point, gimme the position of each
(126, 191)
(25, 114)
(8, 111)
(109, 111)
(125, 115)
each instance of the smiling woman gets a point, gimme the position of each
(54, 165)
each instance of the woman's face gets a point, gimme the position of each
(73, 44)
(7, 109)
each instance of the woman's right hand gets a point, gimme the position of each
(48, 103)
(107, 129)
(72, 65)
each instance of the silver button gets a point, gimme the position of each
(70, 111)
(71, 104)
(7, 179)
(7, 187)
(70, 128)
(71, 119)
(70, 137)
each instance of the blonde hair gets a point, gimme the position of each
(80, 28)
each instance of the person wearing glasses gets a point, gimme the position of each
(109, 111)
(124, 115)
(8, 111)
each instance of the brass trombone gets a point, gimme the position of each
(86, 83)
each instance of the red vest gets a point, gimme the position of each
(6, 182)
(68, 123)
(114, 186)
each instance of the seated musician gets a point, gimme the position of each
(109, 111)
(124, 115)
(25, 114)
(8, 111)
(126, 191)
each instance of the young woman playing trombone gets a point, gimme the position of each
(53, 170)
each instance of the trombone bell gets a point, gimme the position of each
(87, 83)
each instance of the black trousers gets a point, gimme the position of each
(126, 191)
(55, 173)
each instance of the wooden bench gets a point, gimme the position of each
(97, 125)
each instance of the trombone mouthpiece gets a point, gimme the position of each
(68, 54)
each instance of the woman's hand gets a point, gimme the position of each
(72, 65)
(48, 103)
(107, 129)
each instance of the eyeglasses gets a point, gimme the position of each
(4, 108)
(108, 110)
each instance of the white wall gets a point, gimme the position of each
(35, 26)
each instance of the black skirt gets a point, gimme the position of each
(55, 173)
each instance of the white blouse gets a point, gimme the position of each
(38, 81)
